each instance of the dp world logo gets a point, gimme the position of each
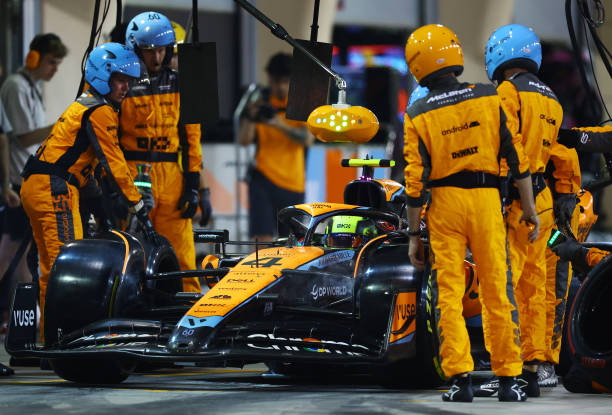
(334, 290)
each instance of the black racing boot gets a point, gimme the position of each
(528, 382)
(6, 371)
(509, 390)
(487, 388)
(460, 391)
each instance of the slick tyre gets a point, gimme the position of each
(92, 371)
(590, 339)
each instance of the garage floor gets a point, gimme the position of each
(250, 391)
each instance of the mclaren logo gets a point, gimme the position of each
(449, 94)
(539, 86)
(465, 152)
(458, 128)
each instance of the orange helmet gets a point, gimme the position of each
(433, 50)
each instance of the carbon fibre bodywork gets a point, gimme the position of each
(298, 303)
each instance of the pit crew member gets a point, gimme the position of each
(278, 174)
(151, 132)
(512, 57)
(453, 139)
(84, 135)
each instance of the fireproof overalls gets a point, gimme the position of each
(453, 139)
(150, 132)
(84, 135)
(534, 117)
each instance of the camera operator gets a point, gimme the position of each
(277, 175)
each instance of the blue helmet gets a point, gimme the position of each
(417, 93)
(512, 46)
(107, 59)
(149, 30)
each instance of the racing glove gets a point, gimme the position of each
(205, 206)
(563, 206)
(188, 203)
(569, 138)
(148, 230)
(572, 250)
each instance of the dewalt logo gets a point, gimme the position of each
(464, 152)
(460, 128)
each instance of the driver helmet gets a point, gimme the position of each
(349, 231)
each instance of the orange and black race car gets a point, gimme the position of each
(338, 294)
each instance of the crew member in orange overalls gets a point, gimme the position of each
(513, 55)
(151, 132)
(453, 140)
(85, 135)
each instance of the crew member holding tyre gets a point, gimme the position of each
(453, 139)
(84, 136)
(512, 56)
(151, 132)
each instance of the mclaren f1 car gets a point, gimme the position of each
(339, 293)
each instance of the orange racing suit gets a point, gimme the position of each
(151, 132)
(84, 135)
(534, 117)
(595, 256)
(453, 139)
(280, 159)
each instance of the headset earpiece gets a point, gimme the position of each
(32, 59)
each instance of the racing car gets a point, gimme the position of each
(320, 300)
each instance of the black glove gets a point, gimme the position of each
(149, 232)
(149, 201)
(188, 203)
(563, 206)
(569, 138)
(120, 208)
(205, 206)
(572, 250)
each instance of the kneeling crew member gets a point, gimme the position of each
(453, 139)
(84, 135)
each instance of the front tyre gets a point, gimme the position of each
(92, 371)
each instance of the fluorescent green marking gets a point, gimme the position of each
(143, 184)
